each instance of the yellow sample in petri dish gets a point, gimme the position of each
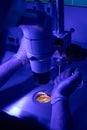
(43, 97)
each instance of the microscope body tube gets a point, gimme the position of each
(39, 49)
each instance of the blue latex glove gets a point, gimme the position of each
(22, 51)
(66, 84)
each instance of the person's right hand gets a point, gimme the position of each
(66, 83)
(22, 53)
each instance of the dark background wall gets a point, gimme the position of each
(76, 17)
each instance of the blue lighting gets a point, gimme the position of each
(76, 2)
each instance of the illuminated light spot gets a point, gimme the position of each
(43, 97)
(13, 111)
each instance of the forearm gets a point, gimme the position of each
(61, 119)
(8, 69)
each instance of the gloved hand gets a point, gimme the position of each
(22, 54)
(65, 84)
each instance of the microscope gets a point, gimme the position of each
(43, 27)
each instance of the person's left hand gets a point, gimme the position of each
(66, 83)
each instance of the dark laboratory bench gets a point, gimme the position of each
(12, 122)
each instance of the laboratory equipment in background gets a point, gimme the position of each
(43, 27)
